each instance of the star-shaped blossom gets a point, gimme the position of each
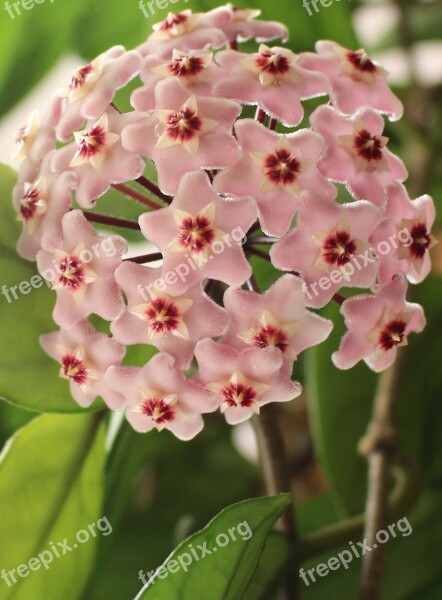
(82, 271)
(40, 206)
(377, 326)
(353, 79)
(158, 396)
(270, 78)
(200, 234)
(243, 380)
(275, 170)
(98, 156)
(406, 232)
(156, 315)
(278, 318)
(34, 141)
(187, 31)
(243, 26)
(185, 133)
(356, 153)
(195, 70)
(84, 358)
(92, 88)
(329, 247)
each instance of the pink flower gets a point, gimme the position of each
(243, 380)
(185, 133)
(278, 318)
(92, 88)
(40, 205)
(329, 247)
(356, 153)
(35, 140)
(275, 170)
(200, 235)
(353, 80)
(98, 156)
(158, 396)
(270, 78)
(194, 69)
(82, 271)
(377, 326)
(85, 356)
(243, 26)
(186, 31)
(406, 230)
(156, 315)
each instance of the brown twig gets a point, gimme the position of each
(152, 187)
(380, 446)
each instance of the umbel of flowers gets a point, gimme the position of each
(227, 186)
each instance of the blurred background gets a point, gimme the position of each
(160, 490)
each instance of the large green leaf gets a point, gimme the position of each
(51, 487)
(226, 573)
(28, 378)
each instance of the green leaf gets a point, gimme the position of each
(272, 564)
(223, 575)
(51, 487)
(36, 385)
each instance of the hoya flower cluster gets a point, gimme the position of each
(228, 186)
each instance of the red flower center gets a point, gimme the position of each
(368, 146)
(74, 368)
(392, 334)
(159, 411)
(172, 21)
(361, 62)
(91, 142)
(238, 394)
(421, 240)
(185, 66)
(183, 125)
(272, 62)
(196, 233)
(269, 335)
(80, 76)
(338, 249)
(162, 315)
(28, 204)
(282, 168)
(72, 273)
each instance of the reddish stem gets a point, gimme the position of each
(149, 185)
(128, 191)
(233, 45)
(272, 124)
(338, 299)
(113, 221)
(262, 239)
(260, 115)
(146, 258)
(257, 252)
